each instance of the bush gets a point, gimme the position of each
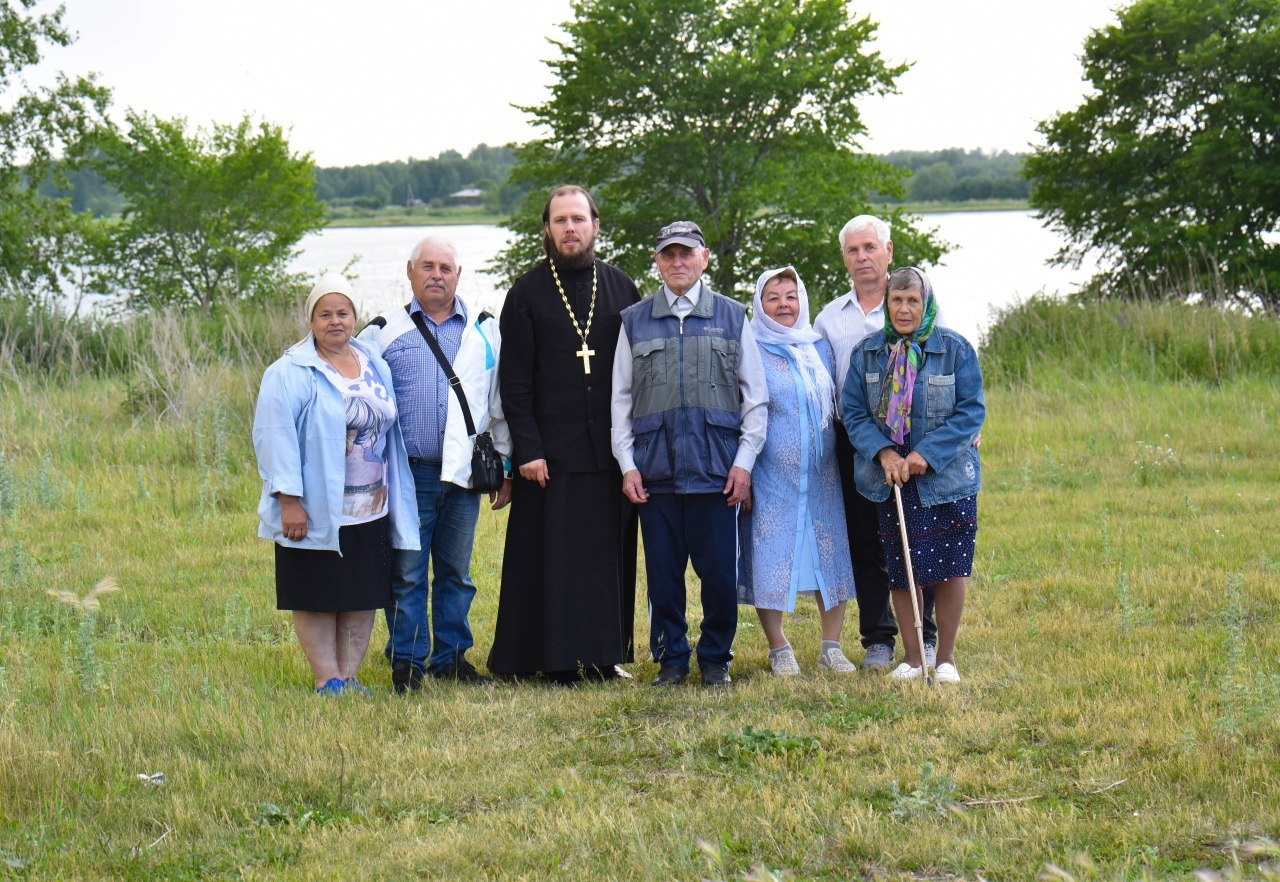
(1147, 340)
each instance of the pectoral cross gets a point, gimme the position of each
(585, 354)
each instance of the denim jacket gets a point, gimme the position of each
(947, 410)
(300, 438)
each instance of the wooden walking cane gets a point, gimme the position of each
(911, 584)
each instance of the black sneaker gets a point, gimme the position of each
(404, 676)
(460, 671)
(716, 676)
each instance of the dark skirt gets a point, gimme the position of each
(941, 536)
(325, 581)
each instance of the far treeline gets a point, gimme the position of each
(482, 178)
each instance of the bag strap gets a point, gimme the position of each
(446, 367)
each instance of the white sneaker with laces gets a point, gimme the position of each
(931, 656)
(784, 664)
(946, 673)
(879, 657)
(834, 660)
(904, 671)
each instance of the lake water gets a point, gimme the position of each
(997, 258)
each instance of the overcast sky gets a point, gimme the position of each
(390, 79)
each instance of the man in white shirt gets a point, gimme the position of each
(868, 252)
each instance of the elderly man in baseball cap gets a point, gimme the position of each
(689, 410)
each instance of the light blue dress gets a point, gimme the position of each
(794, 540)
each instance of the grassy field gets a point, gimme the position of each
(1117, 719)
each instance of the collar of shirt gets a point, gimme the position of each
(873, 320)
(459, 311)
(683, 305)
(863, 322)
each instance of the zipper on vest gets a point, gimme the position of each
(682, 436)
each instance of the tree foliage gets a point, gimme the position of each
(1171, 168)
(740, 115)
(209, 216)
(37, 128)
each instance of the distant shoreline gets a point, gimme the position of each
(396, 216)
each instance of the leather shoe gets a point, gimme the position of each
(460, 671)
(565, 678)
(716, 676)
(670, 675)
(404, 676)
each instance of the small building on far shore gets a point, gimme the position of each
(469, 196)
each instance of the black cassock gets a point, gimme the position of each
(569, 569)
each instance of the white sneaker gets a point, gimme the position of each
(879, 657)
(946, 673)
(931, 656)
(834, 660)
(904, 671)
(784, 664)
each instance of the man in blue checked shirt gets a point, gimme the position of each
(439, 448)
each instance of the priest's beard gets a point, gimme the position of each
(582, 259)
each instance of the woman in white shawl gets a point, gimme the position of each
(793, 539)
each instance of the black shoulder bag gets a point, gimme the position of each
(486, 464)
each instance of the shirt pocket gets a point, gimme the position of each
(940, 400)
(873, 384)
(719, 361)
(723, 434)
(649, 359)
(650, 448)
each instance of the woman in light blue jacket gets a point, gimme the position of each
(337, 494)
(913, 406)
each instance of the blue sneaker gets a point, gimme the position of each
(355, 686)
(334, 686)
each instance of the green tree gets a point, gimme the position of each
(1170, 169)
(740, 115)
(209, 216)
(37, 128)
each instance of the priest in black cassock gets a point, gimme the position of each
(569, 569)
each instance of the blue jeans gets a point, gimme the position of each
(680, 529)
(447, 516)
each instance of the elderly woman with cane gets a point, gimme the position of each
(913, 407)
(793, 536)
(337, 494)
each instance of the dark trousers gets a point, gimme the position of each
(875, 613)
(679, 529)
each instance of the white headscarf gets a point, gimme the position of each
(329, 283)
(796, 344)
